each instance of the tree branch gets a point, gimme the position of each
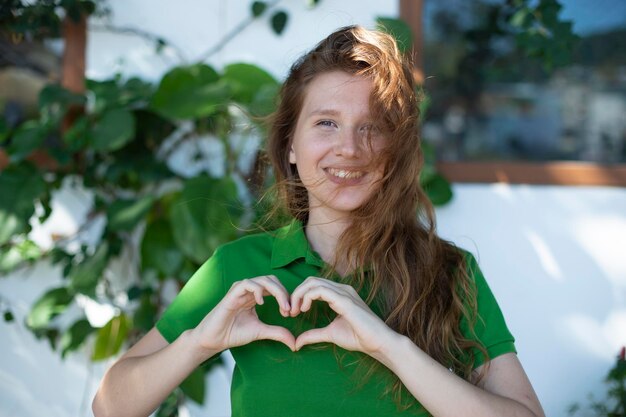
(158, 40)
(234, 33)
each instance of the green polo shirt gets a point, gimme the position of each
(319, 380)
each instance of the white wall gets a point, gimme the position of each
(196, 26)
(554, 256)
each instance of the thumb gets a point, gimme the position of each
(312, 336)
(279, 334)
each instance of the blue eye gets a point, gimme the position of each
(326, 123)
(370, 129)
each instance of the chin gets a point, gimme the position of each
(346, 205)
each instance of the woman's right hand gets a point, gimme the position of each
(234, 321)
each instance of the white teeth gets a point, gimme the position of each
(341, 173)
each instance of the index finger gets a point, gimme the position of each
(272, 286)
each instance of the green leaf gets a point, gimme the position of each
(78, 135)
(61, 154)
(133, 293)
(85, 276)
(264, 102)
(113, 130)
(110, 338)
(246, 81)
(312, 3)
(8, 316)
(279, 22)
(189, 92)
(186, 272)
(55, 101)
(45, 201)
(152, 129)
(430, 159)
(75, 336)
(160, 45)
(9, 260)
(59, 98)
(126, 214)
(159, 250)
(26, 139)
(258, 8)
(89, 7)
(424, 105)
(4, 130)
(51, 334)
(49, 305)
(106, 94)
(26, 251)
(549, 11)
(399, 30)
(521, 18)
(205, 213)
(60, 256)
(438, 190)
(169, 406)
(194, 385)
(136, 89)
(20, 186)
(146, 314)
(562, 30)
(111, 94)
(72, 9)
(136, 170)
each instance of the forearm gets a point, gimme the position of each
(442, 392)
(135, 386)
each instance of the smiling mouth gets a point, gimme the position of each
(345, 173)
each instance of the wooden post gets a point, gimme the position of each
(73, 71)
(411, 12)
(73, 64)
(73, 68)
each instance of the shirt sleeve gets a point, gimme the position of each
(197, 298)
(490, 328)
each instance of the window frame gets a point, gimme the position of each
(576, 173)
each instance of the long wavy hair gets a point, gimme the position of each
(419, 281)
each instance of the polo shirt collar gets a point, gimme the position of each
(291, 244)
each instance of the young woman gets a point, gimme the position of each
(355, 308)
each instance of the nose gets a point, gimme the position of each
(348, 144)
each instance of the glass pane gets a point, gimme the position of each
(492, 101)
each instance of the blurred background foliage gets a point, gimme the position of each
(117, 140)
(614, 403)
(510, 80)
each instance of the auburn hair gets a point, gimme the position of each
(419, 281)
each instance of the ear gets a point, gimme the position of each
(292, 155)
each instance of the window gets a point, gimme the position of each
(498, 116)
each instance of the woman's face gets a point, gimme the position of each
(330, 144)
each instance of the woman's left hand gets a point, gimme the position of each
(356, 327)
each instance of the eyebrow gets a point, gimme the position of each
(324, 112)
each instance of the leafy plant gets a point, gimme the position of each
(162, 219)
(481, 42)
(615, 403)
(43, 19)
(119, 150)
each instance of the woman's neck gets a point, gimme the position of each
(323, 234)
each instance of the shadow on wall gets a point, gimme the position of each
(34, 380)
(552, 257)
